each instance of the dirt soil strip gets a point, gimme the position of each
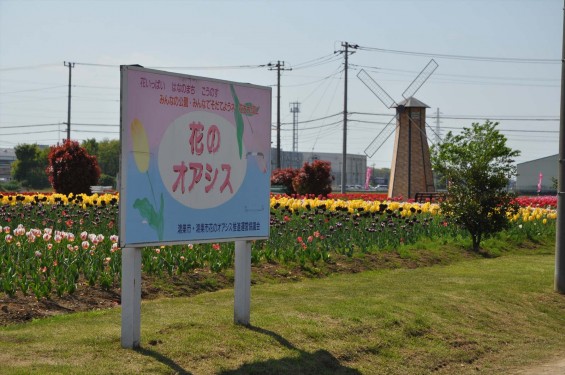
(551, 368)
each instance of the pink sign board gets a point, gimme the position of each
(195, 159)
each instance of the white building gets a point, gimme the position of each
(7, 157)
(529, 174)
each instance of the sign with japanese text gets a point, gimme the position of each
(195, 159)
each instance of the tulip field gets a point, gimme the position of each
(51, 243)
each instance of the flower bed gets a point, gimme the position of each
(50, 243)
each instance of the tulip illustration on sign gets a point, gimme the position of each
(141, 155)
(238, 121)
(240, 127)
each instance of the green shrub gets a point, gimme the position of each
(29, 168)
(10, 186)
(106, 180)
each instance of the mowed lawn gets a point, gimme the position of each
(486, 316)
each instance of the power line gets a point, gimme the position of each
(379, 69)
(91, 98)
(101, 65)
(28, 67)
(97, 87)
(472, 82)
(330, 102)
(210, 67)
(300, 65)
(182, 67)
(369, 122)
(87, 124)
(465, 57)
(42, 89)
(317, 127)
(33, 132)
(474, 117)
(33, 99)
(509, 130)
(305, 99)
(30, 125)
(323, 62)
(313, 120)
(484, 118)
(96, 131)
(312, 82)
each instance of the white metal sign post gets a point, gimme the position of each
(131, 297)
(194, 168)
(242, 283)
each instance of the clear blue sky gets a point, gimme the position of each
(36, 37)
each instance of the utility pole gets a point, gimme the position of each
(294, 109)
(560, 237)
(278, 66)
(346, 45)
(71, 66)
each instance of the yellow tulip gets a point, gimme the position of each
(140, 146)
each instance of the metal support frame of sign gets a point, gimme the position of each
(194, 168)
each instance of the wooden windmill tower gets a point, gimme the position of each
(411, 170)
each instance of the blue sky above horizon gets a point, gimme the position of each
(204, 38)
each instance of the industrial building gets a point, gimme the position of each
(7, 157)
(356, 165)
(531, 172)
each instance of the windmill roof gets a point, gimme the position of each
(412, 102)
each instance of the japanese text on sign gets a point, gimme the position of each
(235, 226)
(211, 172)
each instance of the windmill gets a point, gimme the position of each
(411, 169)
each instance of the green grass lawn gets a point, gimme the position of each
(481, 316)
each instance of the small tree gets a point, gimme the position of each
(107, 180)
(108, 156)
(91, 146)
(29, 167)
(284, 177)
(71, 169)
(314, 178)
(476, 165)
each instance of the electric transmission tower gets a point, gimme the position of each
(295, 109)
(438, 127)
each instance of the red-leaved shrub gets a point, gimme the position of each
(71, 169)
(284, 177)
(314, 178)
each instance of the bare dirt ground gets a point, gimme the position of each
(553, 367)
(21, 308)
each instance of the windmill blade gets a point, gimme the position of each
(420, 79)
(381, 138)
(376, 89)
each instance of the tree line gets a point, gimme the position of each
(30, 170)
